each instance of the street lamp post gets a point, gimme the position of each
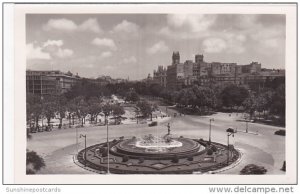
(84, 148)
(107, 146)
(210, 120)
(230, 132)
(246, 120)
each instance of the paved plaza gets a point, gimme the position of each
(259, 146)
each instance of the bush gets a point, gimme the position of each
(34, 162)
(190, 158)
(253, 169)
(209, 151)
(114, 141)
(105, 153)
(30, 171)
(280, 132)
(102, 149)
(175, 159)
(202, 142)
(125, 158)
(141, 160)
(154, 123)
(214, 148)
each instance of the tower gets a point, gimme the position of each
(175, 57)
(198, 58)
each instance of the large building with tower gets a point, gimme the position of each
(178, 74)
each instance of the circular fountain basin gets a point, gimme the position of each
(158, 146)
(158, 150)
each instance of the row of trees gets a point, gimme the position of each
(268, 99)
(267, 102)
(79, 107)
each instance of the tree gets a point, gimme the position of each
(117, 111)
(132, 96)
(49, 108)
(186, 97)
(33, 162)
(145, 108)
(34, 108)
(81, 108)
(106, 109)
(261, 103)
(71, 109)
(61, 107)
(85, 89)
(155, 89)
(205, 97)
(94, 108)
(278, 102)
(233, 95)
(154, 107)
(250, 104)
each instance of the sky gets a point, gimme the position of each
(133, 45)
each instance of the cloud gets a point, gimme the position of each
(228, 43)
(63, 53)
(272, 37)
(90, 25)
(127, 27)
(104, 42)
(63, 24)
(48, 50)
(106, 54)
(90, 65)
(60, 24)
(53, 43)
(187, 26)
(35, 52)
(270, 43)
(193, 22)
(131, 59)
(158, 47)
(214, 45)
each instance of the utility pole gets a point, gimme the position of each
(210, 120)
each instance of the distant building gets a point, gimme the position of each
(49, 82)
(160, 76)
(175, 73)
(253, 67)
(178, 75)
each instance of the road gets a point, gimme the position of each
(266, 149)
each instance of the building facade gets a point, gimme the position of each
(178, 75)
(49, 82)
(160, 76)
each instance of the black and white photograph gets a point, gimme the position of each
(157, 93)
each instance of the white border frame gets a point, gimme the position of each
(20, 10)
